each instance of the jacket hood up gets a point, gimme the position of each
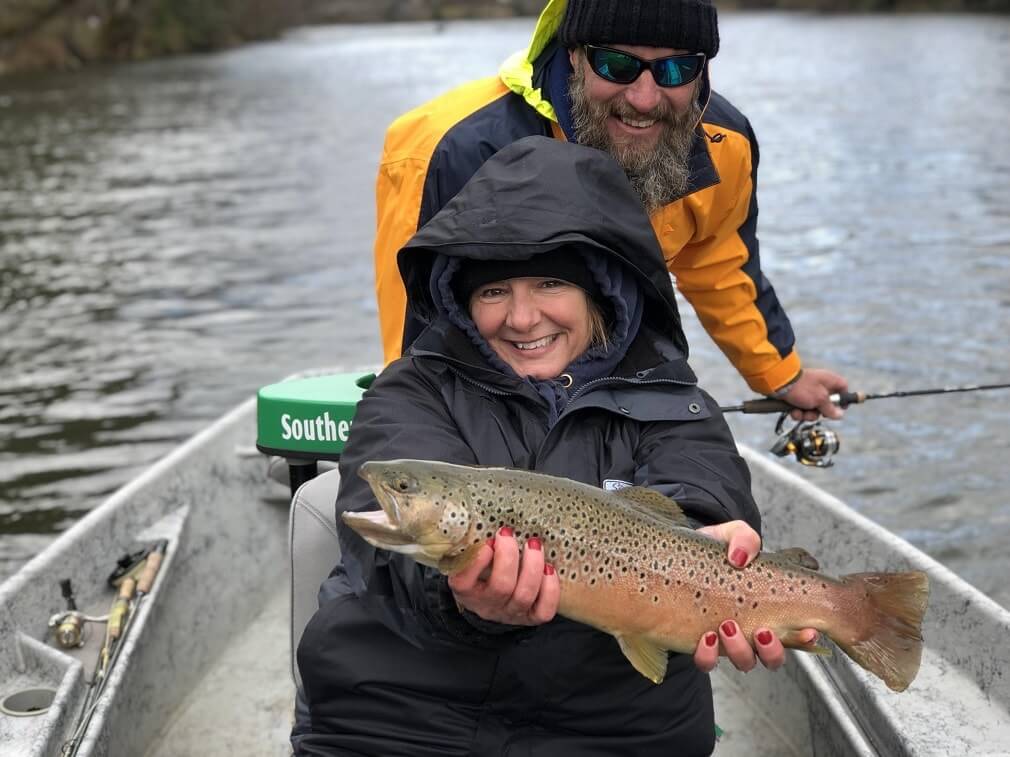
(534, 196)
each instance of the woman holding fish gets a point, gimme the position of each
(553, 345)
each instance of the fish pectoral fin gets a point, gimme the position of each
(653, 503)
(452, 564)
(799, 556)
(647, 658)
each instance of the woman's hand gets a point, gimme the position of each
(743, 546)
(508, 585)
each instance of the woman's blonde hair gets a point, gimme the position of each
(599, 334)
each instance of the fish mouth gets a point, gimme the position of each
(385, 495)
(383, 528)
(380, 528)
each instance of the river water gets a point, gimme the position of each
(175, 234)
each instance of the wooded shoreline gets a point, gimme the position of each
(69, 34)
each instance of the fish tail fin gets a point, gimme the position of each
(889, 641)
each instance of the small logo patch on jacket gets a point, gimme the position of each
(613, 484)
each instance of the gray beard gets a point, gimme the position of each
(660, 173)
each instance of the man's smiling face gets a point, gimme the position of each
(647, 128)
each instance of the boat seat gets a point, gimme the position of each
(313, 550)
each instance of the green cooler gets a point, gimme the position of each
(305, 420)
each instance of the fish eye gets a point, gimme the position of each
(403, 484)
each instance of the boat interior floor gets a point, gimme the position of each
(244, 702)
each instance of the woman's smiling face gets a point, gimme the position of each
(538, 326)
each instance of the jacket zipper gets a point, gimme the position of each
(481, 385)
(617, 380)
(578, 392)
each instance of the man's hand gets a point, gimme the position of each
(507, 585)
(811, 395)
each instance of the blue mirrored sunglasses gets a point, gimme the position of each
(624, 68)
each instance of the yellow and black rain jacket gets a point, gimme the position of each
(708, 236)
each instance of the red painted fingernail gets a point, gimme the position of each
(738, 558)
(764, 637)
(534, 543)
(506, 531)
(729, 628)
(548, 569)
(490, 542)
(711, 639)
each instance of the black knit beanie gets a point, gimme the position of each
(565, 263)
(681, 24)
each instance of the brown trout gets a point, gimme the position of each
(631, 566)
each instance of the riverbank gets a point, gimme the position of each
(71, 34)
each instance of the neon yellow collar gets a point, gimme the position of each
(517, 71)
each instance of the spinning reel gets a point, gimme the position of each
(810, 442)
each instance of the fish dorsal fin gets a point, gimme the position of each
(799, 556)
(646, 657)
(652, 503)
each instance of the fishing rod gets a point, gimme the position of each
(844, 399)
(815, 445)
(134, 579)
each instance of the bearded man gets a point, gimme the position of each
(631, 78)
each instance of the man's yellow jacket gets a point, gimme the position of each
(708, 236)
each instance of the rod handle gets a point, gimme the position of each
(151, 565)
(844, 399)
(120, 607)
(767, 405)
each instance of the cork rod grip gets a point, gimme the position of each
(150, 572)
